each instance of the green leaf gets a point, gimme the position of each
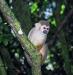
(62, 6)
(16, 55)
(53, 22)
(62, 9)
(45, 0)
(5, 41)
(34, 7)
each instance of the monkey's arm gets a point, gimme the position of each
(30, 33)
(43, 52)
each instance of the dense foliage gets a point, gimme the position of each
(59, 60)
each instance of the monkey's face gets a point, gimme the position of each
(44, 29)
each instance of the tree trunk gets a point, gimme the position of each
(16, 26)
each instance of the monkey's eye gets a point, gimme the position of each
(44, 27)
(47, 28)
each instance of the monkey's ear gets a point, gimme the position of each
(37, 25)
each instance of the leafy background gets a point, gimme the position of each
(60, 55)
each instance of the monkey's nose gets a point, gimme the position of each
(45, 32)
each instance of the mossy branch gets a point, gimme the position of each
(16, 26)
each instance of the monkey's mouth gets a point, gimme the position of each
(45, 32)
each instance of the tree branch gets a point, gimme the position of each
(15, 24)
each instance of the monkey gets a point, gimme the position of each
(38, 36)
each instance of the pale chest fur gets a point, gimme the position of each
(38, 38)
